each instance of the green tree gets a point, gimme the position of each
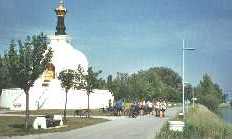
(27, 63)
(101, 83)
(67, 78)
(91, 82)
(219, 92)
(167, 76)
(119, 86)
(209, 93)
(5, 80)
(148, 84)
(71, 79)
(153, 81)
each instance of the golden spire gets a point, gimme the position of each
(61, 10)
(60, 13)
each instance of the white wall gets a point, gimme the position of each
(54, 98)
(8, 98)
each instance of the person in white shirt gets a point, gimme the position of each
(163, 107)
(149, 106)
(157, 108)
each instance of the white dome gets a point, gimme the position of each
(65, 56)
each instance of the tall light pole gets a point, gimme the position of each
(183, 50)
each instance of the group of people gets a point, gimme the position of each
(160, 106)
(157, 108)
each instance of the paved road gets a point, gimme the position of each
(143, 127)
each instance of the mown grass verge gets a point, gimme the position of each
(10, 126)
(200, 123)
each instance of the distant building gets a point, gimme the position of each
(47, 92)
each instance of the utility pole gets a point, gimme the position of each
(183, 76)
(193, 99)
(183, 45)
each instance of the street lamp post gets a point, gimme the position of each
(183, 50)
(193, 98)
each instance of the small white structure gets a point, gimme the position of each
(176, 126)
(59, 118)
(40, 122)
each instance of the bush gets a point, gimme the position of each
(210, 101)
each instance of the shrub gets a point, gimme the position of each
(210, 101)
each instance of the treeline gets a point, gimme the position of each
(162, 82)
(146, 85)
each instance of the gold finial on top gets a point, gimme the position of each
(60, 13)
(61, 10)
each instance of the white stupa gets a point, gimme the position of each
(65, 56)
(47, 92)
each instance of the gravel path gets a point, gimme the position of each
(143, 127)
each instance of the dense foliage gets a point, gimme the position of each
(5, 80)
(148, 84)
(209, 93)
(23, 63)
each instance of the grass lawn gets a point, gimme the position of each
(10, 126)
(200, 123)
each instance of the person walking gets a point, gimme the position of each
(157, 108)
(163, 107)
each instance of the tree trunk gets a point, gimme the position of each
(88, 104)
(27, 109)
(66, 98)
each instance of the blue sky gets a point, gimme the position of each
(130, 35)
